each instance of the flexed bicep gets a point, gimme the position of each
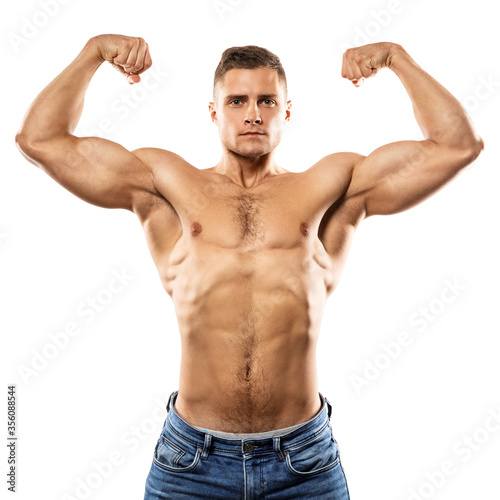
(98, 171)
(399, 175)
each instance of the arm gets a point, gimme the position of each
(97, 170)
(400, 175)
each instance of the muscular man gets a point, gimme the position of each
(249, 253)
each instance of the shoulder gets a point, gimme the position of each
(176, 181)
(155, 158)
(169, 171)
(160, 164)
(341, 163)
(330, 177)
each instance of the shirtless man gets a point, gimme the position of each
(249, 253)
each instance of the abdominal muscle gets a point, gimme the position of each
(249, 323)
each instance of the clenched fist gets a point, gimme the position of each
(129, 55)
(362, 62)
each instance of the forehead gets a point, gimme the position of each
(251, 82)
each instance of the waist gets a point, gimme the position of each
(226, 406)
(259, 442)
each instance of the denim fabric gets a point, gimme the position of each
(190, 463)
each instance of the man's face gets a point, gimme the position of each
(251, 111)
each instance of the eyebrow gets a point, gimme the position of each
(244, 96)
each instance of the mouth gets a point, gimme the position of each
(253, 134)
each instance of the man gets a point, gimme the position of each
(249, 253)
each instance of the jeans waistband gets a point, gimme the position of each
(278, 442)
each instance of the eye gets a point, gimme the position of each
(269, 102)
(236, 102)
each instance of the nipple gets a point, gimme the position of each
(196, 228)
(304, 228)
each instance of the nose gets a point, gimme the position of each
(253, 114)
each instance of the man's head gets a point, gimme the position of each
(248, 57)
(250, 95)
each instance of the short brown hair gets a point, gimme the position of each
(248, 57)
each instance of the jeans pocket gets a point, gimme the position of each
(174, 456)
(316, 456)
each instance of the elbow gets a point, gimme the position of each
(470, 150)
(475, 148)
(22, 142)
(28, 148)
(26, 145)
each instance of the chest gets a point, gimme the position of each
(256, 220)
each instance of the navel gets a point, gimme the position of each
(196, 229)
(304, 228)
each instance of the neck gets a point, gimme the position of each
(248, 172)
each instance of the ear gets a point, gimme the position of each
(213, 112)
(288, 111)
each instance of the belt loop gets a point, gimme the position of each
(277, 448)
(329, 406)
(168, 404)
(206, 446)
(171, 397)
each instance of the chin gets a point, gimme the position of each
(249, 153)
(254, 156)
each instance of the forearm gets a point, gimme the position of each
(57, 109)
(440, 116)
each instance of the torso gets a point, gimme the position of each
(249, 277)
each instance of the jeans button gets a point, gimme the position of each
(248, 447)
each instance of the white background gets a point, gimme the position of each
(102, 396)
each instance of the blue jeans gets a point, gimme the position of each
(190, 462)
